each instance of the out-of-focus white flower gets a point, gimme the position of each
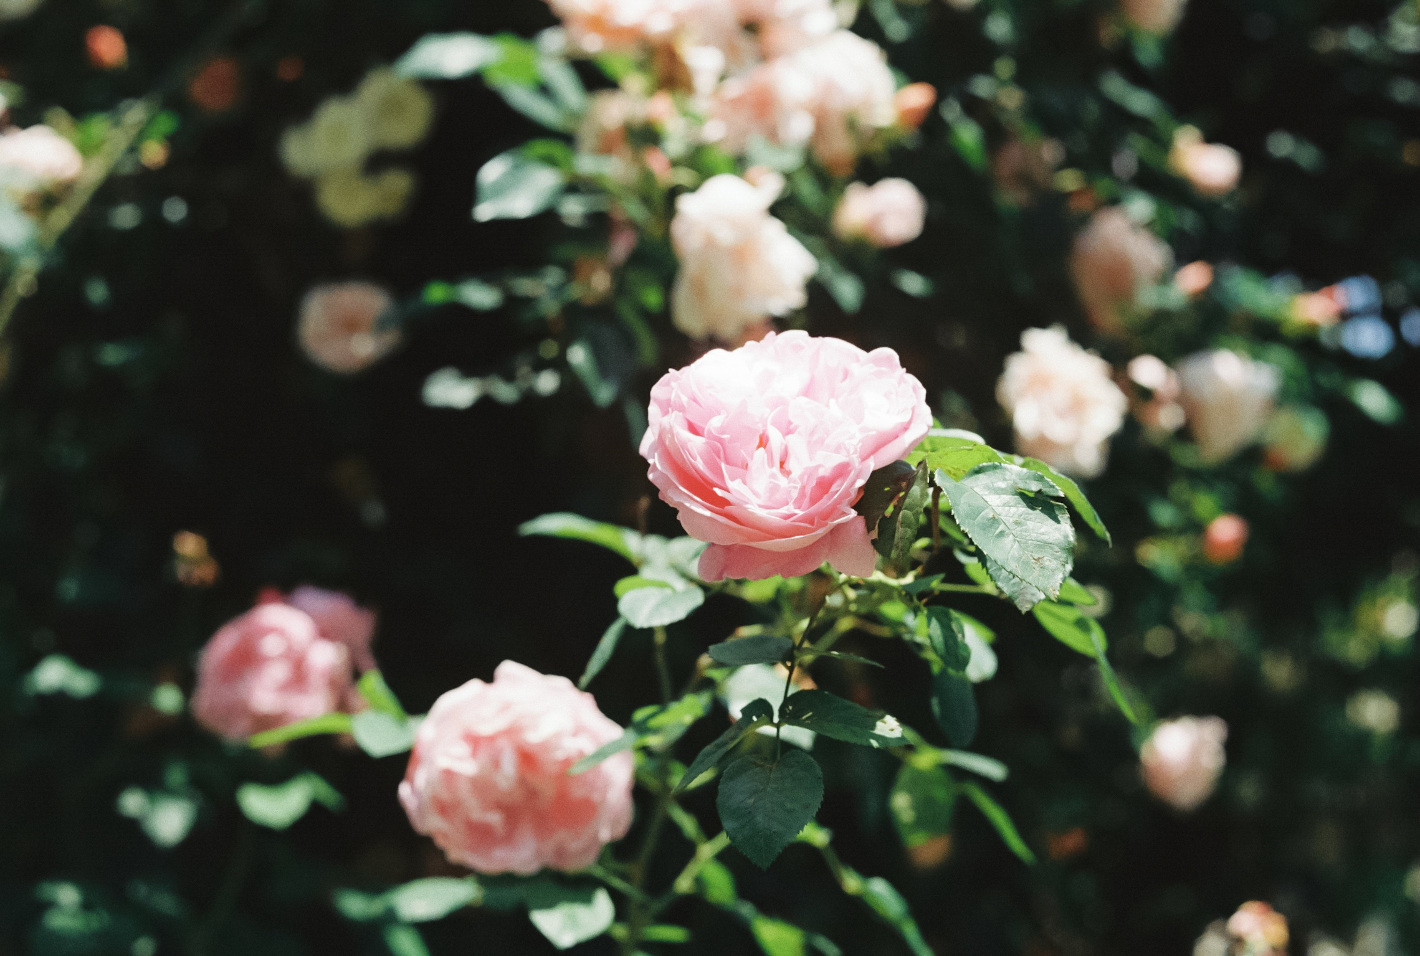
(398, 110)
(1183, 759)
(1153, 16)
(888, 213)
(17, 9)
(1228, 400)
(738, 264)
(1210, 168)
(38, 158)
(350, 198)
(1112, 261)
(1373, 710)
(337, 137)
(1063, 402)
(785, 26)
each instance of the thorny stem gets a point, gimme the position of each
(793, 663)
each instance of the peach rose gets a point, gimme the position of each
(912, 103)
(268, 668)
(1111, 262)
(738, 264)
(1153, 16)
(1224, 539)
(1062, 401)
(786, 26)
(38, 158)
(1161, 409)
(339, 327)
(1228, 400)
(488, 777)
(1183, 759)
(764, 451)
(888, 213)
(339, 619)
(1260, 927)
(1194, 278)
(1211, 169)
(595, 26)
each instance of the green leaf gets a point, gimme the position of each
(754, 714)
(562, 524)
(404, 940)
(653, 726)
(665, 933)
(536, 107)
(776, 937)
(1074, 495)
(511, 186)
(447, 56)
(717, 883)
(832, 716)
(602, 654)
(999, 819)
(843, 285)
(1074, 592)
(764, 804)
(324, 724)
(280, 805)
(1110, 681)
(921, 803)
(947, 634)
(1068, 625)
(432, 898)
(357, 905)
(887, 902)
(1376, 401)
(1014, 517)
(1023, 594)
(882, 489)
(762, 649)
(970, 142)
(379, 696)
(954, 451)
(993, 770)
(58, 674)
(568, 914)
(1135, 99)
(658, 606)
(381, 735)
(897, 531)
(954, 706)
(564, 84)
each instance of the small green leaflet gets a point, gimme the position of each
(882, 489)
(1068, 625)
(764, 804)
(898, 531)
(755, 713)
(999, 819)
(448, 56)
(653, 726)
(570, 914)
(954, 451)
(604, 649)
(760, 649)
(947, 634)
(659, 605)
(324, 724)
(884, 899)
(432, 898)
(1074, 495)
(1110, 681)
(378, 695)
(954, 706)
(563, 524)
(511, 186)
(921, 803)
(280, 805)
(832, 716)
(381, 735)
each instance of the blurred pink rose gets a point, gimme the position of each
(1112, 262)
(1211, 169)
(339, 619)
(888, 213)
(1228, 400)
(763, 451)
(738, 264)
(1160, 410)
(597, 26)
(772, 101)
(1260, 927)
(1224, 539)
(488, 777)
(1182, 760)
(268, 668)
(785, 26)
(339, 326)
(1153, 16)
(1062, 401)
(38, 157)
(913, 102)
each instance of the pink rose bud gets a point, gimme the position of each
(339, 326)
(738, 264)
(888, 213)
(1112, 262)
(763, 451)
(266, 669)
(1228, 399)
(913, 102)
(488, 778)
(1212, 170)
(339, 619)
(1063, 402)
(1261, 928)
(38, 157)
(1224, 539)
(1193, 279)
(1182, 760)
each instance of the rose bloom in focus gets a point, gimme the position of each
(488, 776)
(1112, 261)
(268, 668)
(888, 213)
(339, 326)
(38, 158)
(764, 451)
(1211, 169)
(738, 264)
(1183, 759)
(1228, 400)
(1062, 401)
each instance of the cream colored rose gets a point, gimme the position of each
(1062, 401)
(1153, 16)
(38, 158)
(1112, 262)
(339, 326)
(786, 26)
(888, 213)
(398, 110)
(738, 264)
(1211, 169)
(1228, 400)
(1182, 760)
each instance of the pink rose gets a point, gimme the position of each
(339, 619)
(786, 26)
(488, 778)
(39, 157)
(888, 213)
(1228, 399)
(1112, 261)
(1182, 760)
(763, 451)
(1153, 16)
(596, 26)
(738, 264)
(1063, 402)
(1161, 409)
(339, 326)
(1211, 169)
(268, 668)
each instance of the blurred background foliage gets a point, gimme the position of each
(167, 452)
